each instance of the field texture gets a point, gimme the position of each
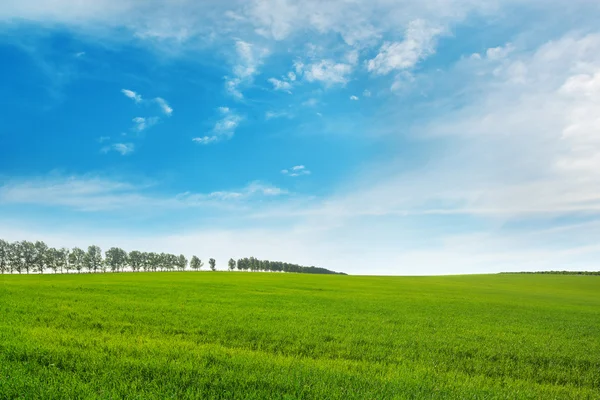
(262, 335)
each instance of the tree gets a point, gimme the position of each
(172, 262)
(53, 259)
(65, 253)
(93, 259)
(15, 257)
(4, 256)
(212, 263)
(77, 259)
(28, 255)
(146, 262)
(41, 256)
(231, 264)
(181, 262)
(116, 259)
(196, 263)
(154, 261)
(136, 260)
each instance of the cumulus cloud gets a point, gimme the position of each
(354, 98)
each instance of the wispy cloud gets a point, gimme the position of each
(121, 148)
(164, 106)
(132, 95)
(88, 193)
(419, 43)
(274, 114)
(298, 170)
(248, 58)
(142, 123)
(224, 128)
(354, 98)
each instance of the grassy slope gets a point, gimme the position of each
(259, 335)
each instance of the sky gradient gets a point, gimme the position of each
(370, 137)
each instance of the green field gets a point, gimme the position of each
(264, 335)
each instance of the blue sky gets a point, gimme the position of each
(372, 137)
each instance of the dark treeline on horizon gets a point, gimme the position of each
(253, 264)
(25, 257)
(557, 272)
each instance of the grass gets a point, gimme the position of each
(288, 336)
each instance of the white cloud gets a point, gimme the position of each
(132, 95)
(248, 58)
(328, 72)
(499, 53)
(206, 139)
(253, 189)
(367, 93)
(164, 106)
(281, 85)
(273, 115)
(224, 128)
(419, 43)
(298, 170)
(142, 123)
(87, 193)
(354, 98)
(312, 102)
(352, 57)
(291, 76)
(121, 148)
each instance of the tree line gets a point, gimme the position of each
(25, 257)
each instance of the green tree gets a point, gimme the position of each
(116, 259)
(65, 253)
(231, 264)
(41, 256)
(52, 259)
(196, 263)
(212, 262)
(93, 259)
(4, 256)
(154, 260)
(28, 255)
(16, 257)
(77, 259)
(136, 260)
(181, 262)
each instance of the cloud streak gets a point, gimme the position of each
(224, 128)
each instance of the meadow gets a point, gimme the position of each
(293, 336)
